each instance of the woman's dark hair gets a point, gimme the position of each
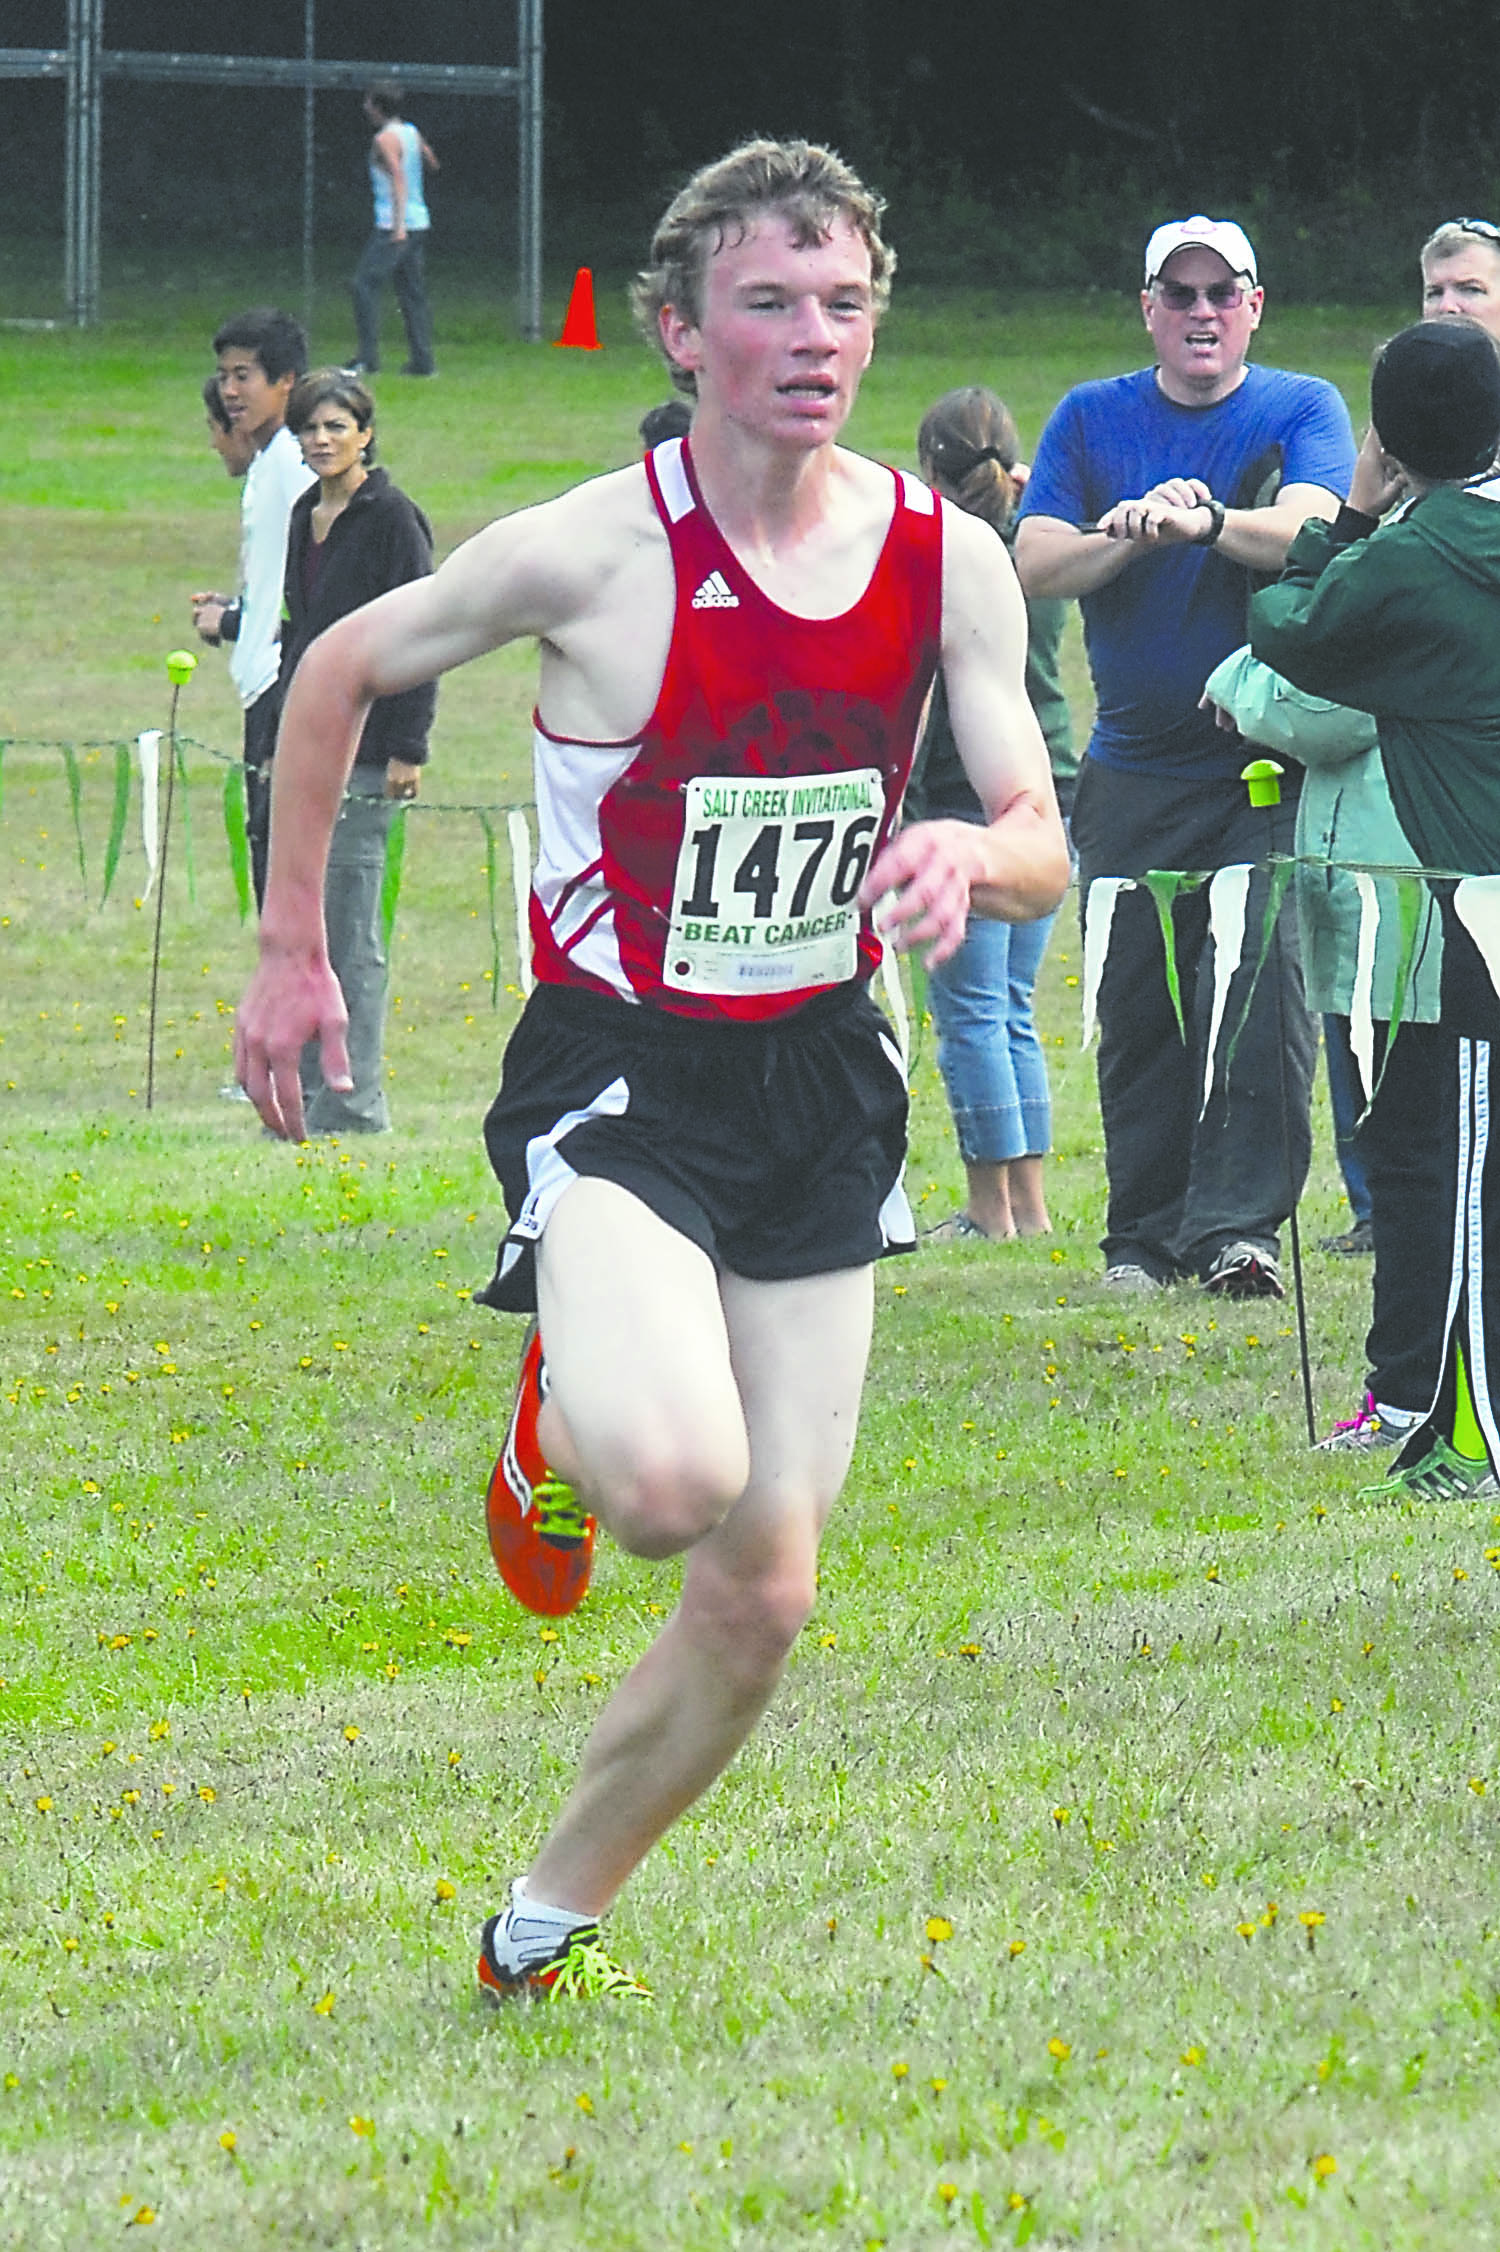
(321, 385)
(968, 448)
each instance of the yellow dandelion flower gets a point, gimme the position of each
(938, 1927)
(1017, 1947)
(947, 2191)
(229, 2141)
(1325, 2164)
(207, 1793)
(142, 2217)
(44, 1805)
(1311, 1919)
(442, 1890)
(899, 2070)
(1192, 2055)
(351, 1734)
(324, 2004)
(585, 2104)
(1016, 2202)
(1059, 2050)
(1246, 1931)
(361, 2125)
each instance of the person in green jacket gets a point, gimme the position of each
(1400, 620)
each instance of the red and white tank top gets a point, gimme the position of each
(711, 867)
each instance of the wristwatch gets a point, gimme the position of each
(1215, 522)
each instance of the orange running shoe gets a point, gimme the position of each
(541, 1536)
(577, 1970)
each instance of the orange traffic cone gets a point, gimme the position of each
(579, 332)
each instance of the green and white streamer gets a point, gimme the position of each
(1361, 1001)
(1098, 921)
(895, 993)
(1228, 898)
(1476, 903)
(148, 755)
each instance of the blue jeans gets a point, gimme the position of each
(988, 1050)
(1346, 1100)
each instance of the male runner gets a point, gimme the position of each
(701, 1125)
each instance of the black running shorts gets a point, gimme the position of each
(776, 1148)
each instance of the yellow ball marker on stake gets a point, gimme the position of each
(1262, 778)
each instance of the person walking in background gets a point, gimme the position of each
(989, 1054)
(354, 536)
(260, 354)
(397, 249)
(1224, 463)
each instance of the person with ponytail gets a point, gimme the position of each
(989, 1054)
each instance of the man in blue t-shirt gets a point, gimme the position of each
(1158, 499)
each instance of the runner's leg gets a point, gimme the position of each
(797, 1352)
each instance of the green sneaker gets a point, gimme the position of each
(1440, 1475)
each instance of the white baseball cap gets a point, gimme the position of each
(1230, 241)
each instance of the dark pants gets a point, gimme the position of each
(261, 720)
(1435, 1181)
(1346, 1101)
(403, 264)
(1181, 1186)
(1408, 1140)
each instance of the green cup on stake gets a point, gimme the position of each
(1262, 778)
(181, 666)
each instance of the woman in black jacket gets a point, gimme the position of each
(353, 536)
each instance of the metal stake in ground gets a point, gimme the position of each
(1262, 777)
(181, 666)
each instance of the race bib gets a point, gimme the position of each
(767, 887)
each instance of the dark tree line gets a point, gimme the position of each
(1073, 120)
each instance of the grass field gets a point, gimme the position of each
(1116, 1867)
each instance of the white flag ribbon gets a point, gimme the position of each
(1362, 1000)
(1228, 897)
(895, 993)
(1476, 903)
(520, 876)
(1104, 892)
(148, 753)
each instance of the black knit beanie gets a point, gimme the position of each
(1435, 398)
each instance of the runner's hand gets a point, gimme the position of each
(923, 880)
(289, 1001)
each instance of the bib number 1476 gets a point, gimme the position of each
(767, 886)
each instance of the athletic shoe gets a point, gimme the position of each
(541, 1536)
(957, 1228)
(1244, 1270)
(1441, 1475)
(1368, 1431)
(1129, 1274)
(1357, 1242)
(579, 1970)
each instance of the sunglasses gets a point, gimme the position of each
(1481, 227)
(1181, 297)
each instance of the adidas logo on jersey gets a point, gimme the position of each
(715, 594)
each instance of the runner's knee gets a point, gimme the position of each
(660, 1499)
(752, 1619)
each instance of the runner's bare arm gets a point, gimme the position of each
(537, 573)
(1016, 869)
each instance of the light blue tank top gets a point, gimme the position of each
(417, 220)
